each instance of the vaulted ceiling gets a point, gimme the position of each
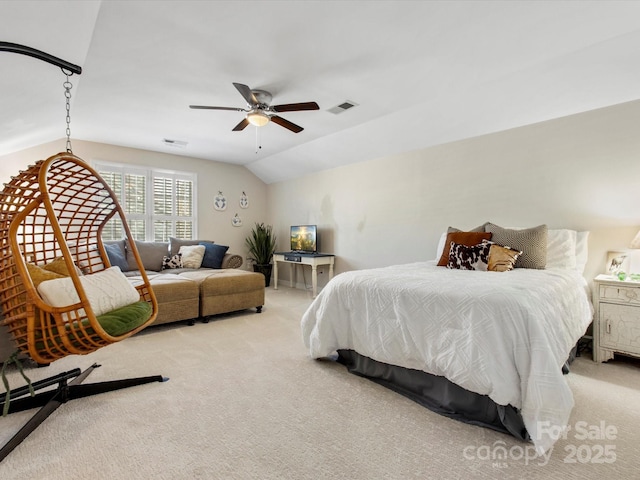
(421, 73)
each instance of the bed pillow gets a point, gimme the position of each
(532, 242)
(582, 251)
(106, 291)
(463, 238)
(561, 249)
(59, 266)
(502, 259)
(468, 257)
(192, 255)
(213, 254)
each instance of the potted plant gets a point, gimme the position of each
(261, 243)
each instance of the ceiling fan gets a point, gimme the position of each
(259, 112)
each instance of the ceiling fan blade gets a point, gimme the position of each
(286, 124)
(295, 107)
(246, 93)
(241, 126)
(206, 107)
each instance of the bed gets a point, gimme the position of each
(480, 346)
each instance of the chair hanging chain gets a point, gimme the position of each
(67, 95)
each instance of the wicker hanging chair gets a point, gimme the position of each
(56, 210)
(51, 220)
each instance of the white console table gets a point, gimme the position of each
(294, 258)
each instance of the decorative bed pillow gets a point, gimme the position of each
(479, 228)
(192, 255)
(532, 242)
(213, 254)
(172, 262)
(105, 290)
(464, 257)
(502, 259)
(463, 238)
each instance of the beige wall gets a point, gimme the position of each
(232, 180)
(580, 172)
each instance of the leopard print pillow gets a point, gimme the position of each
(172, 262)
(475, 257)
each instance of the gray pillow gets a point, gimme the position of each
(176, 243)
(151, 254)
(532, 242)
(480, 228)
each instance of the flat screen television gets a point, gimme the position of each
(304, 238)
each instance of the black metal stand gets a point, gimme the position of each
(50, 400)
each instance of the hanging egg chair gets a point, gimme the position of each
(59, 293)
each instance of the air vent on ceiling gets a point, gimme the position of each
(346, 105)
(174, 143)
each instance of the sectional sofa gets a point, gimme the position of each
(189, 286)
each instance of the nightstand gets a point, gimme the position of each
(616, 323)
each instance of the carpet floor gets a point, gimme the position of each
(245, 401)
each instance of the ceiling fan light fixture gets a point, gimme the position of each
(258, 118)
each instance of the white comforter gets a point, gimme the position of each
(505, 335)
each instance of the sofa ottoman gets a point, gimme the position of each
(228, 290)
(178, 297)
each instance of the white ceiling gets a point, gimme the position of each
(423, 73)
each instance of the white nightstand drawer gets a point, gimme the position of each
(620, 328)
(620, 294)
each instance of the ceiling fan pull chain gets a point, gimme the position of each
(258, 146)
(67, 95)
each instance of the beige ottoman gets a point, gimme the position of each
(178, 298)
(228, 290)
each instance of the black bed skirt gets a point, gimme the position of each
(440, 395)
(437, 394)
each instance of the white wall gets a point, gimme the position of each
(580, 172)
(214, 225)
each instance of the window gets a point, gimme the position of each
(158, 204)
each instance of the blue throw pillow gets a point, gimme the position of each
(116, 256)
(213, 255)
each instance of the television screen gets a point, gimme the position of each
(304, 238)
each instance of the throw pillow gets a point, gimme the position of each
(59, 266)
(39, 275)
(151, 254)
(463, 238)
(501, 259)
(213, 254)
(479, 228)
(172, 262)
(192, 255)
(117, 258)
(176, 243)
(105, 290)
(464, 257)
(532, 242)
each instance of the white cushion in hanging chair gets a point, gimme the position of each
(105, 290)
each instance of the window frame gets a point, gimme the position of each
(150, 217)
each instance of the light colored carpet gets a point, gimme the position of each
(245, 401)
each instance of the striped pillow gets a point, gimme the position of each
(532, 242)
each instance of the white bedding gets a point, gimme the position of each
(505, 335)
